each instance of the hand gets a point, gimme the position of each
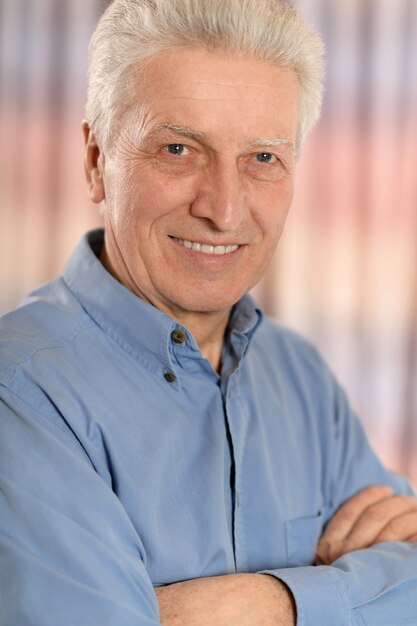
(374, 515)
(234, 600)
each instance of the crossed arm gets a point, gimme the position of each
(372, 516)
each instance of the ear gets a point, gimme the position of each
(93, 165)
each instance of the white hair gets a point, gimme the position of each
(132, 31)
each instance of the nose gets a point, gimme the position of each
(220, 197)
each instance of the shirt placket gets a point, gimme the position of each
(237, 420)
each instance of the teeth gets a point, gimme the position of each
(206, 249)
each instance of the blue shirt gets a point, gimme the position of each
(126, 462)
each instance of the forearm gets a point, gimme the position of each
(234, 600)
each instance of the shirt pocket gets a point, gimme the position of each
(302, 536)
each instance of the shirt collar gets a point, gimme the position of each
(138, 327)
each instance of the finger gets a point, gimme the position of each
(371, 523)
(343, 521)
(340, 548)
(401, 528)
(346, 517)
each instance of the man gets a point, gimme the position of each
(168, 455)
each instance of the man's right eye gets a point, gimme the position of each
(177, 149)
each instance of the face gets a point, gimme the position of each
(198, 184)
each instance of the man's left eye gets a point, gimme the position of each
(266, 157)
(177, 149)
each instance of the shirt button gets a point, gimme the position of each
(178, 336)
(170, 377)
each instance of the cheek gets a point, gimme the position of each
(155, 196)
(272, 212)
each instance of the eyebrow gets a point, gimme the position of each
(276, 142)
(190, 133)
(182, 131)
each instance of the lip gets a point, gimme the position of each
(204, 260)
(207, 242)
(207, 248)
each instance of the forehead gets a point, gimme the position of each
(217, 93)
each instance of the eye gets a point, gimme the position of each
(266, 157)
(177, 149)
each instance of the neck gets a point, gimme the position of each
(208, 330)
(207, 327)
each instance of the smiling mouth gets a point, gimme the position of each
(205, 248)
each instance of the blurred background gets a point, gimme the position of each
(346, 271)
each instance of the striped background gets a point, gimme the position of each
(346, 271)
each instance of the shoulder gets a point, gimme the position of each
(47, 319)
(294, 367)
(279, 343)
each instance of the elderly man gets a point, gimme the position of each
(168, 455)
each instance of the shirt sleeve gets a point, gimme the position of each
(68, 551)
(376, 586)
